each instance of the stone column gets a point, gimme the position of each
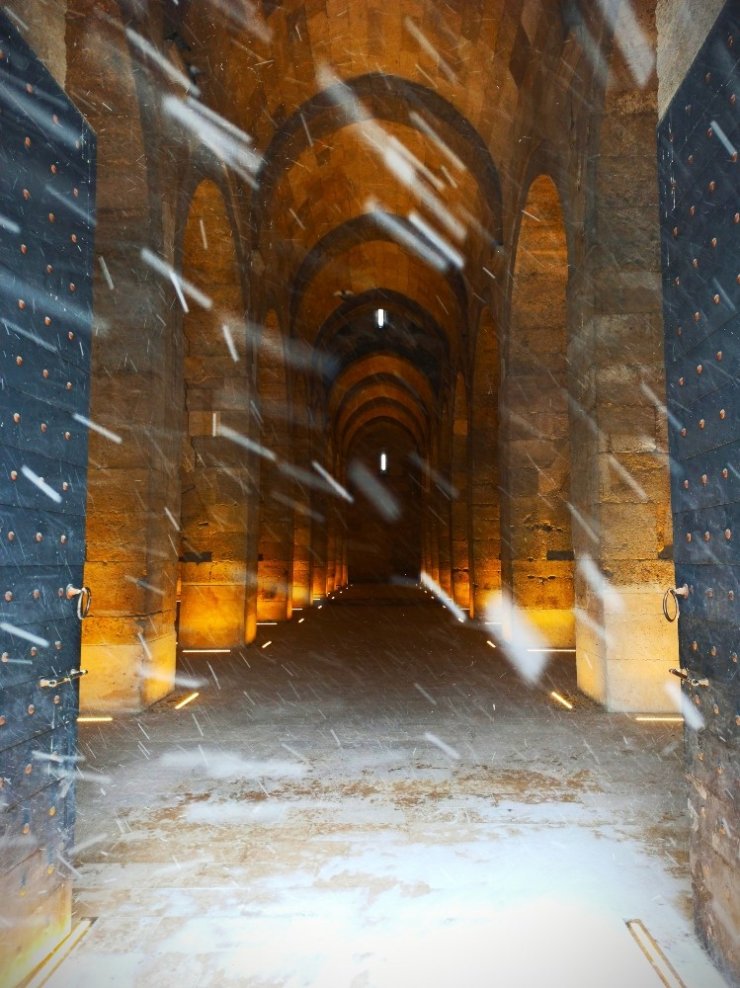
(622, 524)
(276, 514)
(302, 559)
(484, 486)
(129, 638)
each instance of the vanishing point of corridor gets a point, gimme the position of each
(373, 797)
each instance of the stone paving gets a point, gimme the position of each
(376, 799)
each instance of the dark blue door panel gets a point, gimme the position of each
(699, 153)
(46, 242)
(699, 159)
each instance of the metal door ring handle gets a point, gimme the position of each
(84, 599)
(675, 593)
(670, 592)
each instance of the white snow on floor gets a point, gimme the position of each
(310, 835)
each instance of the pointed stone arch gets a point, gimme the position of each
(216, 508)
(537, 548)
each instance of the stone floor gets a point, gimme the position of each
(375, 799)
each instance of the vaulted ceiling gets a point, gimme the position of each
(373, 184)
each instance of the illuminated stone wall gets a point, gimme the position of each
(545, 307)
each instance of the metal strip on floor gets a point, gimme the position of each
(660, 963)
(41, 975)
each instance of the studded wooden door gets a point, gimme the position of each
(46, 224)
(699, 146)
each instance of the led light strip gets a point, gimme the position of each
(561, 700)
(186, 700)
(659, 719)
(206, 651)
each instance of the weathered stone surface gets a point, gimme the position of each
(713, 845)
(628, 531)
(682, 27)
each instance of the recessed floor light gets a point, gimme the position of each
(561, 700)
(206, 651)
(188, 699)
(659, 719)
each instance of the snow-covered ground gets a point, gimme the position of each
(376, 800)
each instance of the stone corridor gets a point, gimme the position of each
(304, 301)
(376, 799)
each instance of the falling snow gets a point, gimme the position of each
(343, 470)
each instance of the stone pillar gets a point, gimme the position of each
(318, 546)
(302, 559)
(459, 519)
(622, 523)
(129, 638)
(216, 509)
(331, 549)
(44, 30)
(430, 559)
(444, 542)
(276, 515)
(484, 486)
(275, 553)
